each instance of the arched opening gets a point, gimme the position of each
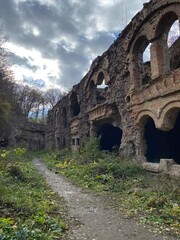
(146, 77)
(168, 43)
(174, 33)
(142, 61)
(102, 85)
(110, 137)
(101, 88)
(97, 90)
(162, 144)
(75, 106)
(173, 43)
(146, 54)
(101, 81)
(64, 117)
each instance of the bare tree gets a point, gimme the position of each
(52, 96)
(28, 99)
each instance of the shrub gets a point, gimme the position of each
(91, 150)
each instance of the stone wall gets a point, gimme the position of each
(22, 133)
(135, 90)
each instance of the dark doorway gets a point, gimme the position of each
(110, 137)
(162, 144)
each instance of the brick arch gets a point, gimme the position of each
(100, 78)
(143, 115)
(149, 11)
(168, 115)
(165, 22)
(100, 75)
(161, 52)
(95, 93)
(96, 77)
(140, 43)
(140, 73)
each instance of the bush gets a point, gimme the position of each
(16, 172)
(91, 151)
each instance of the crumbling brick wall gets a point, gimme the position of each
(135, 90)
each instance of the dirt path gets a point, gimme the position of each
(96, 219)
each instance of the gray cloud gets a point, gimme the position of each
(72, 32)
(13, 58)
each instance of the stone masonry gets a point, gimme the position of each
(137, 92)
(20, 132)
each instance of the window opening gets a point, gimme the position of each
(174, 33)
(73, 141)
(75, 106)
(146, 74)
(173, 43)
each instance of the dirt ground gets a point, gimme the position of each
(91, 215)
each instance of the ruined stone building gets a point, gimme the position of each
(138, 110)
(20, 132)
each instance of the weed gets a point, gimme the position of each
(26, 202)
(152, 198)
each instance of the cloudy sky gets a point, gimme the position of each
(53, 42)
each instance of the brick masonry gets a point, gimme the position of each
(135, 90)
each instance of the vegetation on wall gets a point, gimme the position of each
(28, 208)
(154, 199)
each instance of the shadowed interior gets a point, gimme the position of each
(162, 144)
(110, 137)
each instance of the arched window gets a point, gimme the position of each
(101, 81)
(98, 89)
(174, 33)
(101, 88)
(142, 61)
(146, 65)
(173, 43)
(75, 106)
(168, 43)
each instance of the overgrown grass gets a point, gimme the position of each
(154, 199)
(28, 208)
